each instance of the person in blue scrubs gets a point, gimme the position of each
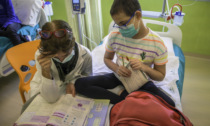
(9, 23)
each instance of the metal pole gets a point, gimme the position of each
(163, 9)
(80, 29)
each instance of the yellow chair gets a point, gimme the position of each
(21, 58)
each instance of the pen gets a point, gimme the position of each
(144, 74)
(128, 62)
(143, 57)
(123, 60)
(128, 65)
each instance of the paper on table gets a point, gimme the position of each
(77, 113)
(67, 111)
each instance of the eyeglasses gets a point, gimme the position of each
(123, 26)
(57, 33)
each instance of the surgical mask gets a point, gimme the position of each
(129, 31)
(68, 58)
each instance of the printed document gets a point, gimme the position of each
(67, 111)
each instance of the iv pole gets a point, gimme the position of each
(78, 7)
(154, 14)
(80, 29)
(163, 9)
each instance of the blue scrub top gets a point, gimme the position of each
(7, 13)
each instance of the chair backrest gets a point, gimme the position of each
(21, 58)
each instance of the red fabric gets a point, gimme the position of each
(144, 109)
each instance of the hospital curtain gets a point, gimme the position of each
(91, 23)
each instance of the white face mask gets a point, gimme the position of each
(68, 58)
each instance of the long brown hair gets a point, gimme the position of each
(53, 44)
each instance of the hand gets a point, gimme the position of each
(123, 71)
(136, 64)
(70, 89)
(45, 63)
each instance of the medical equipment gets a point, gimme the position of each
(154, 14)
(178, 16)
(48, 9)
(78, 6)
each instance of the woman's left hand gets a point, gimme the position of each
(70, 89)
(136, 64)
